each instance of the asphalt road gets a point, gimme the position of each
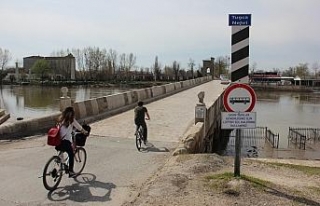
(115, 170)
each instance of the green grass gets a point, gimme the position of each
(305, 169)
(220, 180)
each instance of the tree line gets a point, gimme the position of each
(100, 64)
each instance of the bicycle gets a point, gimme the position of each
(57, 165)
(139, 137)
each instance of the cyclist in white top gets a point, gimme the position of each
(68, 123)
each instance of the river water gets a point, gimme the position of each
(280, 110)
(35, 101)
(276, 110)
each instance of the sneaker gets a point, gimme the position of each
(145, 142)
(72, 174)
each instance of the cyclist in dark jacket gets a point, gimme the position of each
(140, 115)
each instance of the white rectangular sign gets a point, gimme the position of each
(238, 120)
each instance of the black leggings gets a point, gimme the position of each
(145, 130)
(67, 147)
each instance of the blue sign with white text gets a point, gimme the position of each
(239, 19)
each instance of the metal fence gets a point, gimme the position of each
(273, 138)
(256, 136)
(253, 140)
(301, 136)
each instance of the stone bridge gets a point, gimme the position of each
(199, 135)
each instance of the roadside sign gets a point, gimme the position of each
(238, 120)
(239, 98)
(239, 19)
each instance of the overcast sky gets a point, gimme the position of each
(283, 33)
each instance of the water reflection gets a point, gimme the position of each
(279, 111)
(276, 110)
(35, 101)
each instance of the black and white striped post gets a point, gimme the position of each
(239, 66)
(240, 47)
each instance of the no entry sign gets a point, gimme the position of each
(239, 98)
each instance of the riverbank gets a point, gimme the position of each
(284, 88)
(133, 84)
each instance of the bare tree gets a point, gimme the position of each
(168, 71)
(222, 64)
(253, 67)
(131, 62)
(156, 69)
(302, 70)
(191, 65)
(315, 67)
(126, 63)
(112, 61)
(79, 55)
(176, 69)
(122, 64)
(5, 57)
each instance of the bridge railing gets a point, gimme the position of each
(249, 137)
(297, 137)
(257, 136)
(97, 108)
(312, 134)
(301, 136)
(272, 138)
(253, 141)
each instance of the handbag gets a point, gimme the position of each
(54, 138)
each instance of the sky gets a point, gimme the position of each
(283, 33)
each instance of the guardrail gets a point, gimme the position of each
(301, 136)
(272, 138)
(297, 138)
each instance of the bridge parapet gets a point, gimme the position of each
(98, 108)
(202, 136)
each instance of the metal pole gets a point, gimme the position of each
(238, 152)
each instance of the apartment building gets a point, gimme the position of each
(63, 67)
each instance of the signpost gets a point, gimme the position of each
(238, 100)
(239, 19)
(240, 24)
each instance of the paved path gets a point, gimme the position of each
(115, 170)
(170, 117)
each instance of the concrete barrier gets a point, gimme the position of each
(169, 88)
(195, 138)
(144, 94)
(158, 90)
(25, 128)
(177, 85)
(98, 108)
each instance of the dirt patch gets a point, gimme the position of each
(197, 180)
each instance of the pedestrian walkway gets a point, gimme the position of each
(170, 117)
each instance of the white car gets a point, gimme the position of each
(225, 81)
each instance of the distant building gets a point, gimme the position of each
(208, 67)
(270, 77)
(63, 67)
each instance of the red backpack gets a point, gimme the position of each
(54, 136)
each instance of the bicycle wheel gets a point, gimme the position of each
(80, 160)
(138, 139)
(52, 173)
